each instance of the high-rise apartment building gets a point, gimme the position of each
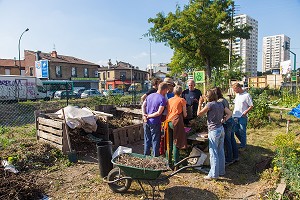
(273, 52)
(247, 48)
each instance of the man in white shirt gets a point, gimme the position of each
(242, 105)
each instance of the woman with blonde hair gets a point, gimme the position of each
(175, 135)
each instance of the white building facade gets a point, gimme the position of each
(163, 67)
(247, 49)
(273, 52)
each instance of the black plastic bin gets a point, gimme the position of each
(104, 153)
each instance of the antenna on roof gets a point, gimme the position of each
(54, 47)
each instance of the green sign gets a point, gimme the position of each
(199, 76)
(84, 79)
(293, 78)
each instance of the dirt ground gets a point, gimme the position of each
(82, 181)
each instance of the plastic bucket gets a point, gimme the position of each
(104, 153)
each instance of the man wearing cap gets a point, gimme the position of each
(192, 96)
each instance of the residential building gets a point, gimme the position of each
(10, 67)
(62, 67)
(55, 67)
(160, 74)
(273, 52)
(162, 67)
(111, 76)
(247, 48)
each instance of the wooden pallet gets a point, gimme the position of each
(52, 132)
(128, 134)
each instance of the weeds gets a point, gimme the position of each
(287, 159)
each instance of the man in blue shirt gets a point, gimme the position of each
(152, 110)
(192, 96)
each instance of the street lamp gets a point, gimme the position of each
(27, 29)
(150, 74)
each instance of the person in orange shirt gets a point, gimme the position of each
(177, 138)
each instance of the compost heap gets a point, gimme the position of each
(155, 163)
(19, 186)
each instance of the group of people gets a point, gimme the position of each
(167, 104)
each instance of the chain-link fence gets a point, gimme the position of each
(21, 112)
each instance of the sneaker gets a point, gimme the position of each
(236, 160)
(229, 163)
(209, 178)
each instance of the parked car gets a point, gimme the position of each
(79, 90)
(135, 87)
(62, 94)
(113, 92)
(91, 93)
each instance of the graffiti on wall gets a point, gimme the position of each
(17, 89)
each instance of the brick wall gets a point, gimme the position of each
(66, 69)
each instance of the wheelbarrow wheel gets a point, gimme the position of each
(118, 186)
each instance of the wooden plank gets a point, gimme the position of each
(48, 129)
(58, 146)
(51, 137)
(131, 135)
(123, 137)
(50, 122)
(65, 142)
(116, 138)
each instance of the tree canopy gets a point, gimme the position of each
(196, 33)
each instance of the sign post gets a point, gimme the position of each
(199, 77)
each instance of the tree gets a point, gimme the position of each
(196, 34)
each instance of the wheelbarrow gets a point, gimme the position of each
(120, 178)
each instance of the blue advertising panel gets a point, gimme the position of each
(41, 69)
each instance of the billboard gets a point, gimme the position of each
(41, 69)
(286, 67)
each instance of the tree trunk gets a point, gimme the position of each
(208, 69)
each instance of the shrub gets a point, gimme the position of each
(258, 116)
(287, 159)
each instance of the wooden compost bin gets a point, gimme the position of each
(53, 131)
(127, 134)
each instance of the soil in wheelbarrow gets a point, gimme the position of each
(156, 163)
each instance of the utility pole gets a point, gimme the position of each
(286, 46)
(231, 39)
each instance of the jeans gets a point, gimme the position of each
(216, 151)
(231, 149)
(152, 134)
(239, 128)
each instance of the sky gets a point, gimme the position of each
(98, 30)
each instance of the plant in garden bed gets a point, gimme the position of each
(287, 160)
(258, 116)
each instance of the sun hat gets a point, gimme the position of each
(169, 81)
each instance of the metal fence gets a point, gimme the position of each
(18, 113)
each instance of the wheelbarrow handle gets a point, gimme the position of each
(177, 164)
(114, 181)
(179, 170)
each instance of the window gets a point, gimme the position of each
(96, 73)
(86, 72)
(31, 71)
(123, 74)
(7, 71)
(58, 71)
(108, 75)
(74, 72)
